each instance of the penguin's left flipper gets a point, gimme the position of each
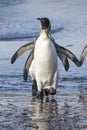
(71, 56)
(83, 55)
(64, 60)
(61, 56)
(27, 64)
(21, 50)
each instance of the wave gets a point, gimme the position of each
(19, 36)
(23, 35)
(10, 2)
(14, 83)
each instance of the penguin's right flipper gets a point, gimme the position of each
(21, 50)
(27, 64)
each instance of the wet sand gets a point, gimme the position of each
(66, 111)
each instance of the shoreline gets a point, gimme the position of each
(20, 111)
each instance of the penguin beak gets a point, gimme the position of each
(38, 18)
(41, 20)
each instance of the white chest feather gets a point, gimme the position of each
(45, 55)
(44, 65)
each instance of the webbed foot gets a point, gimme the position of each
(52, 91)
(46, 92)
(40, 95)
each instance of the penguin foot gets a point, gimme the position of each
(52, 91)
(40, 95)
(46, 92)
(34, 88)
(34, 93)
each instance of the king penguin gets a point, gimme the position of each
(44, 67)
(62, 53)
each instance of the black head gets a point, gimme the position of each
(45, 22)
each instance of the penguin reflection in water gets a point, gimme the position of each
(45, 114)
(42, 61)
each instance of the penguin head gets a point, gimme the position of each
(45, 22)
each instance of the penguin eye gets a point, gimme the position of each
(42, 20)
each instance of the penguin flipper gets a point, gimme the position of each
(83, 55)
(21, 50)
(71, 56)
(62, 57)
(27, 64)
(64, 60)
